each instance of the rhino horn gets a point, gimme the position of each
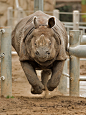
(51, 22)
(42, 40)
(35, 22)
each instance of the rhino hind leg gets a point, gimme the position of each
(45, 74)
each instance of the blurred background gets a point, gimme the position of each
(49, 5)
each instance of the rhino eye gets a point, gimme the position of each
(50, 43)
(35, 44)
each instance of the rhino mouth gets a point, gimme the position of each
(46, 62)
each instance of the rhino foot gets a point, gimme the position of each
(51, 86)
(36, 90)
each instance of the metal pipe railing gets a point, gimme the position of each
(74, 65)
(38, 5)
(17, 4)
(6, 63)
(78, 51)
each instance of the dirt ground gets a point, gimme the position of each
(24, 103)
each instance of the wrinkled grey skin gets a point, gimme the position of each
(41, 42)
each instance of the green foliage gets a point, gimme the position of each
(84, 17)
(66, 17)
(83, 2)
(9, 97)
(12, 97)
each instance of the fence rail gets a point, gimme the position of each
(76, 24)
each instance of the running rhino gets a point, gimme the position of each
(41, 43)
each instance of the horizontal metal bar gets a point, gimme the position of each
(65, 12)
(82, 79)
(82, 59)
(14, 53)
(82, 13)
(78, 51)
(71, 23)
(80, 27)
(67, 75)
(83, 40)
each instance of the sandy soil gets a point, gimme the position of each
(24, 103)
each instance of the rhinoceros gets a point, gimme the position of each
(41, 43)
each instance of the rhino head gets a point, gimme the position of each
(41, 45)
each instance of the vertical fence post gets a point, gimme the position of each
(10, 16)
(19, 14)
(41, 5)
(74, 64)
(38, 5)
(62, 87)
(76, 20)
(6, 66)
(56, 13)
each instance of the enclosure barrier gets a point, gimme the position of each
(10, 17)
(75, 25)
(38, 5)
(75, 18)
(19, 13)
(6, 64)
(79, 50)
(75, 49)
(62, 87)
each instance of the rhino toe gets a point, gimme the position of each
(36, 90)
(51, 86)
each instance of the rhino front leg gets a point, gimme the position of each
(32, 78)
(56, 74)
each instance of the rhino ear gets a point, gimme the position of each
(51, 22)
(35, 22)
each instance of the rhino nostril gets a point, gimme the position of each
(37, 53)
